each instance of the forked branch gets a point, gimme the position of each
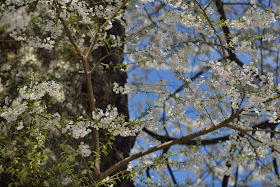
(89, 87)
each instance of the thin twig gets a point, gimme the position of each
(102, 27)
(266, 130)
(7, 41)
(98, 63)
(68, 32)
(212, 26)
(207, 6)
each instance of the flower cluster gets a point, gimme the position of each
(11, 114)
(79, 129)
(113, 122)
(85, 149)
(36, 91)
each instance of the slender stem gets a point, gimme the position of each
(212, 26)
(265, 130)
(7, 41)
(68, 32)
(236, 177)
(169, 168)
(90, 91)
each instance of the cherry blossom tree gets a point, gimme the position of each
(208, 72)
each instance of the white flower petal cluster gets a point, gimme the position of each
(36, 91)
(259, 18)
(246, 46)
(120, 89)
(20, 126)
(12, 113)
(85, 149)
(235, 83)
(111, 121)
(254, 17)
(18, 19)
(52, 123)
(5, 67)
(80, 129)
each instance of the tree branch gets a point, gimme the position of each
(98, 63)
(236, 177)
(169, 168)
(243, 131)
(90, 91)
(168, 144)
(68, 32)
(232, 56)
(162, 138)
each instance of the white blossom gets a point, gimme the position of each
(85, 149)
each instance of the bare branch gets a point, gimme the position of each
(96, 65)
(7, 41)
(162, 138)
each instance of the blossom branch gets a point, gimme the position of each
(252, 137)
(162, 138)
(257, 154)
(68, 32)
(169, 168)
(226, 31)
(168, 144)
(265, 130)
